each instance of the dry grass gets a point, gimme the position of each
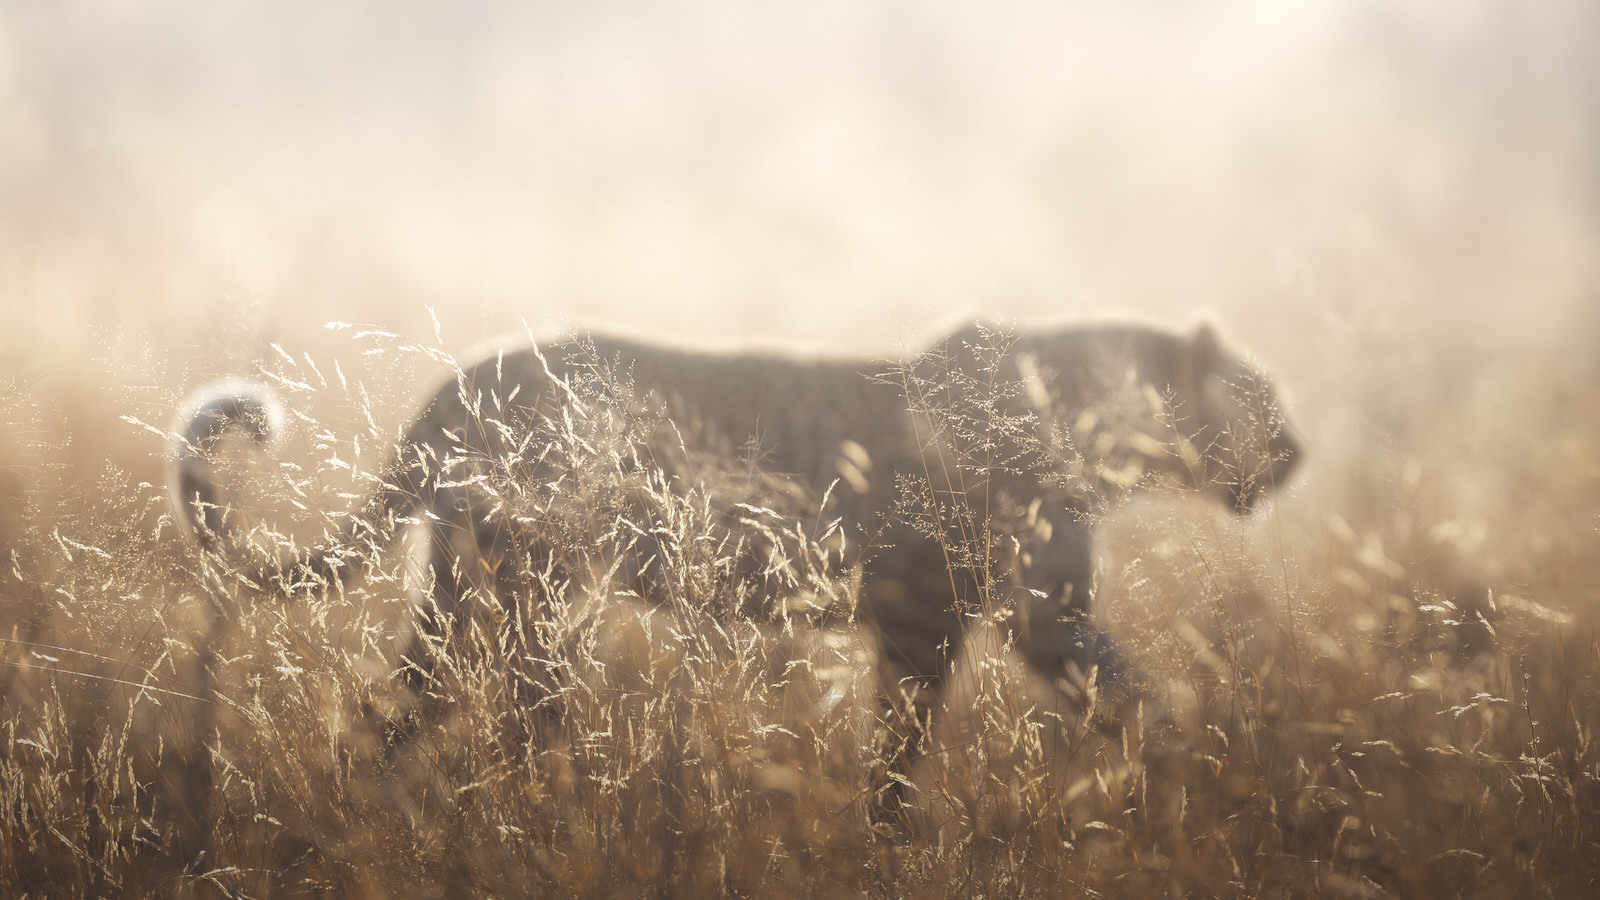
(1363, 695)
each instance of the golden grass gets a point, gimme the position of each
(1344, 703)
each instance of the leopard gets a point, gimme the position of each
(963, 481)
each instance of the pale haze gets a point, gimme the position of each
(1328, 179)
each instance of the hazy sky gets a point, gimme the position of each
(796, 171)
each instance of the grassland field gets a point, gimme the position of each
(1383, 685)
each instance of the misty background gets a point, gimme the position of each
(1393, 203)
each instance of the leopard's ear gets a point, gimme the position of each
(1205, 346)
